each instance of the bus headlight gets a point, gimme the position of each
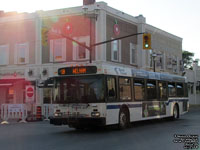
(58, 114)
(95, 114)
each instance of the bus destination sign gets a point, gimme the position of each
(77, 70)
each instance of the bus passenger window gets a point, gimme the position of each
(186, 89)
(180, 90)
(111, 87)
(151, 90)
(125, 88)
(162, 90)
(171, 89)
(139, 89)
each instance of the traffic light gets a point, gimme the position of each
(146, 41)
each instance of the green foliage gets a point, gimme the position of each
(187, 59)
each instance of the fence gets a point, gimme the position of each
(13, 112)
(48, 110)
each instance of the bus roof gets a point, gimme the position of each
(124, 70)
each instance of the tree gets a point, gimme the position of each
(197, 61)
(187, 59)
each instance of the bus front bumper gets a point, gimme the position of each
(74, 121)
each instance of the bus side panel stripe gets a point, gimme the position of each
(118, 106)
(176, 100)
(113, 106)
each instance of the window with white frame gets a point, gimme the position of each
(175, 64)
(133, 54)
(80, 52)
(4, 54)
(116, 50)
(58, 50)
(22, 53)
(160, 60)
(169, 61)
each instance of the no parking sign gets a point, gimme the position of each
(30, 94)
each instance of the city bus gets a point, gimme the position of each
(112, 94)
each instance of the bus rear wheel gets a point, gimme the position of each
(175, 112)
(123, 119)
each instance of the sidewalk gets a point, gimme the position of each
(194, 107)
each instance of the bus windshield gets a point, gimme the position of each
(80, 89)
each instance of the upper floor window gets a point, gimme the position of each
(116, 50)
(80, 52)
(175, 64)
(133, 54)
(22, 53)
(160, 60)
(4, 54)
(58, 50)
(169, 62)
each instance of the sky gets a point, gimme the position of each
(178, 17)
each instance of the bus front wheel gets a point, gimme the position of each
(123, 119)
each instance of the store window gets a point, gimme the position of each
(47, 95)
(10, 95)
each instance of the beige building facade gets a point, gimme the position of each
(193, 77)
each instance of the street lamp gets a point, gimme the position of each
(195, 78)
(154, 55)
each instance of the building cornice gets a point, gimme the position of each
(162, 32)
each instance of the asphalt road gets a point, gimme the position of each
(148, 135)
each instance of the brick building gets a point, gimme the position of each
(33, 46)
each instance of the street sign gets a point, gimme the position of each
(30, 94)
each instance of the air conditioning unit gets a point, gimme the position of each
(88, 2)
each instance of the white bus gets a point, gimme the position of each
(107, 94)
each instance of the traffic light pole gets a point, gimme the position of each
(123, 37)
(154, 61)
(100, 43)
